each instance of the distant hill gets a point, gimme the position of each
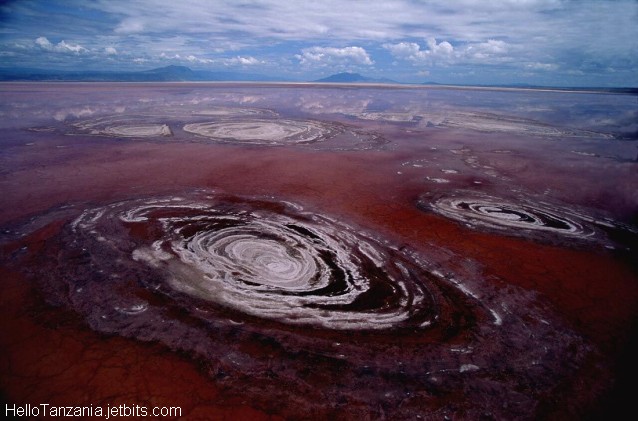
(352, 78)
(162, 74)
(171, 73)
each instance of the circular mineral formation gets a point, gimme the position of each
(265, 132)
(271, 261)
(523, 217)
(496, 214)
(294, 306)
(120, 126)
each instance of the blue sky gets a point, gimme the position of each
(549, 42)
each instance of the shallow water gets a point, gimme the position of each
(323, 252)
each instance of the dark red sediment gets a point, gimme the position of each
(582, 293)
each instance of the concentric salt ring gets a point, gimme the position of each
(264, 131)
(285, 266)
(119, 126)
(517, 217)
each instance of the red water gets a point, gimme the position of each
(49, 355)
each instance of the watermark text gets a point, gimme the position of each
(108, 411)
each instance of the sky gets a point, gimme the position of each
(542, 42)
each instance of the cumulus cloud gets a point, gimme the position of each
(442, 49)
(60, 47)
(491, 51)
(44, 43)
(326, 56)
(404, 50)
(412, 51)
(170, 57)
(191, 58)
(110, 51)
(486, 50)
(244, 61)
(232, 61)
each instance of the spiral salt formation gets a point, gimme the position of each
(519, 217)
(296, 311)
(265, 132)
(120, 126)
(304, 270)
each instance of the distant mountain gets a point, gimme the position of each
(162, 74)
(171, 73)
(352, 78)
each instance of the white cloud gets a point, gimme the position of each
(325, 56)
(489, 52)
(412, 51)
(110, 51)
(44, 43)
(443, 49)
(485, 50)
(131, 25)
(63, 46)
(60, 47)
(232, 61)
(404, 50)
(244, 61)
(168, 57)
(191, 58)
